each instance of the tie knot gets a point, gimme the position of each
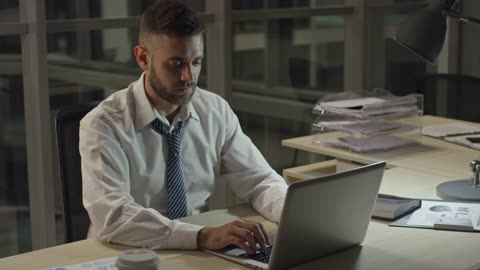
(163, 128)
(174, 138)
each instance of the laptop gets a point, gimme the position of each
(320, 217)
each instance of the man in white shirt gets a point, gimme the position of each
(154, 151)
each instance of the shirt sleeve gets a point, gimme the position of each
(248, 174)
(115, 216)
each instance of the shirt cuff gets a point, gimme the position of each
(277, 210)
(184, 235)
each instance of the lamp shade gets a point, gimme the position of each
(424, 32)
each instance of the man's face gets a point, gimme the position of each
(174, 67)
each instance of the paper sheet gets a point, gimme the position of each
(102, 264)
(357, 103)
(451, 129)
(463, 140)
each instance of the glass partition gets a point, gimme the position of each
(255, 4)
(9, 11)
(14, 199)
(107, 9)
(280, 69)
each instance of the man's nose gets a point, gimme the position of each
(187, 74)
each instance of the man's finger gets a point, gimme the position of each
(247, 236)
(267, 237)
(259, 235)
(258, 232)
(240, 242)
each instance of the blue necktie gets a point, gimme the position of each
(177, 200)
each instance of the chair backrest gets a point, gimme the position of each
(67, 124)
(450, 95)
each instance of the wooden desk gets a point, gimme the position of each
(432, 155)
(384, 247)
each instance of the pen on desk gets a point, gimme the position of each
(462, 134)
(473, 140)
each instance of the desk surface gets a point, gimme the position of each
(384, 247)
(432, 155)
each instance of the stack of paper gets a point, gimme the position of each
(371, 106)
(378, 122)
(367, 144)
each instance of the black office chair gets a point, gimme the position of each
(461, 95)
(67, 124)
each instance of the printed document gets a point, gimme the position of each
(434, 212)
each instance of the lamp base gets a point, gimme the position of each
(459, 190)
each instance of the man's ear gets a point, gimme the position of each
(141, 55)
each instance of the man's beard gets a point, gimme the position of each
(169, 94)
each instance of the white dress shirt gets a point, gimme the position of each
(124, 160)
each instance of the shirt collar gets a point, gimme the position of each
(145, 112)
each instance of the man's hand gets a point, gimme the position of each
(241, 233)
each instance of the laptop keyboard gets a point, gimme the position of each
(262, 255)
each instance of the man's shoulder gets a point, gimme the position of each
(113, 108)
(207, 98)
(212, 106)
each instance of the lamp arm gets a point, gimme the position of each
(455, 15)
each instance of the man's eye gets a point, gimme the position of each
(176, 64)
(197, 63)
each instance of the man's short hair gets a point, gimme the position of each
(169, 17)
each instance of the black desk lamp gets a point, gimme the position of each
(424, 34)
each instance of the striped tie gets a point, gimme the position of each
(177, 200)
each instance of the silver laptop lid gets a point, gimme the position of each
(325, 215)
